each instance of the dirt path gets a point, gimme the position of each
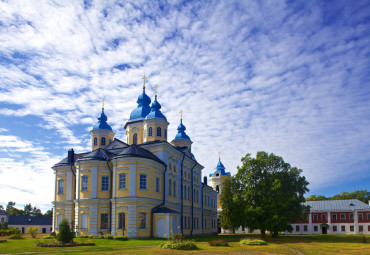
(290, 248)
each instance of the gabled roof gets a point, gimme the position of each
(115, 142)
(98, 154)
(65, 160)
(138, 152)
(29, 220)
(337, 205)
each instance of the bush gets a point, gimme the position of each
(108, 237)
(53, 234)
(48, 237)
(178, 238)
(16, 236)
(218, 243)
(83, 236)
(10, 231)
(65, 234)
(92, 236)
(121, 238)
(33, 231)
(253, 242)
(186, 245)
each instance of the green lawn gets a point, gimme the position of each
(290, 244)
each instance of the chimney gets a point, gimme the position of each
(205, 180)
(71, 156)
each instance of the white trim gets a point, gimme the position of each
(114, 181)
(69, 186)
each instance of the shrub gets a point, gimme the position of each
(253, 242)
(48, 237)
(121, 238)
(65, 234)
(53, 234)
(186, 245)
(16, 236)
(83, 236)
(178, 238)
(107, 237)
(92, 236)
(218, 243)
(33, 231)
(9, 231)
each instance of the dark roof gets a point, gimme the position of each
(65, 160)
(29, 220)
(98, 154)
(337, 205)
(138, 152)
(164, 210)
(3, 213)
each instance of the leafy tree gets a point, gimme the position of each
(273, 192)
(10, 206)
(48, 213)
(33, 231)
(65, 234)
(232, 204)
(31, 211)
(316, 198)
(2, 208)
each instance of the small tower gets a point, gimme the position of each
(101, 134)
(181, 138)
(216, 179)
(156, 125)
(134, 126)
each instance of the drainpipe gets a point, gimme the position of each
(71, 157)
(164, 200)
(182, 195)
(110, 195)
(192, 199)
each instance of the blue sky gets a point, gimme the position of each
(288, 77)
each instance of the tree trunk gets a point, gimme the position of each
(233, 230)
(263, 233)
(275, 233)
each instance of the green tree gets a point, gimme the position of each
(362, 195)
(232, 204)
(273, 192)
(48, 213)
(10, 206)
(65, 234)
(316, 198)
(33, 231)
(31, 211)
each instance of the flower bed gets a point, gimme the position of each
(185, 245)
(253, 242)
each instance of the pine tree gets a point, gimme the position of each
(65, 234)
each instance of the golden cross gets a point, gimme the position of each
(103, 103)
(180, 114)
(144, 77)
(219, 155)
(155, 89)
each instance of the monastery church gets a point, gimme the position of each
(144, 187)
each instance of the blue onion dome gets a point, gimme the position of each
(181, 132)
(143, 106)
(102, 123)
(156, 111)
(220, 167)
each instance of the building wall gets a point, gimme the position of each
(47, 228)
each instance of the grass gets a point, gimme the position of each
(289, 244)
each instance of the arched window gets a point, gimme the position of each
(135, 139)
(150, 131)
(217, 189)
(165, 133)
(159, 131)
(174, 188)
(95, 141)
(169, 188)
(102, 141)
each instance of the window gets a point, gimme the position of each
(315, 217)
(102, 141)
(217, 189)
(361, 228)
(59, 220)
(368, 216)
(323, 216)
(334, 216)
(150, 131)
(95, 141)
(342, 216)
(84, 181)
(165, 133)
(121, 221)
(142, 220)
(315, 228)
(104, 221)
(351, 216)
(169, 187)
(343, 228)
(174, 188)
(305, 228)
(122, 181)
(157, 184)
(335, 229)
(368, 227)
(351, 228)
(104, 183)
(60, 187)
(360, 216)
(159, 131)
(142, 181)
(297, 228)
(134, 139)
(84, 221)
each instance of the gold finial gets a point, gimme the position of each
(219, 156)
(103, 103)
(155, 89)
(180, 114)
(144, 77)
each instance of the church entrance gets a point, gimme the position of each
(324, 230)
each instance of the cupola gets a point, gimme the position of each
(101, 133)
(181, 138)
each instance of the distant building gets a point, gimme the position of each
(144, 187)
(24, 222)
(3, 216)
(334, 217)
